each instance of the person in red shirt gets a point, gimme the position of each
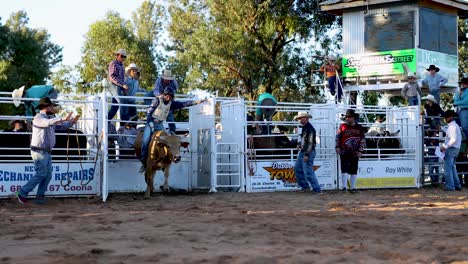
(350, 143)
(330, 69)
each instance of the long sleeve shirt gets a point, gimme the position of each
(43, 132)
(160, 86)
(116, 73)
(308, 140)
(174, 106)
(453, 136)
(350, 139)
(435, 81)
(461, 101)
(133, 86)
(411, 89)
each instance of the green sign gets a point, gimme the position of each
(376, 64)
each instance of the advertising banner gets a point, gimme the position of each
(279, 176)
(387, 174)
(83, 180)
(384, 63)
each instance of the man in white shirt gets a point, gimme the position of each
(451, 148)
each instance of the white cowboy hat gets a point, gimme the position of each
(17, 94)
(276, 130)
(411, 75)
(429, 97)
(302, 114)
(167, 75)
(121, 52)
(132, 66)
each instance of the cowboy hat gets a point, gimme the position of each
(411, 75)
(302, 114)
(351, 113)
(167, 75)
(429, 97)
(433, 67)
(16, 94)
(44, 102)
(132, 66)
(16, 120)
(463, 80)
(121, 52)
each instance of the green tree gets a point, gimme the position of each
(234, 46)
(27, 55)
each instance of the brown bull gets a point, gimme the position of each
(162, 151)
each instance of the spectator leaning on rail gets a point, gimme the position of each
(116, 77)
(132, 82)
(165, 82)
(304, 167)
(451, 148)
(350, 143)
(155, 117)
(42, 142)
(433, 111)
(461, 101)
(34, 92)
(434, 81)
(411, 90)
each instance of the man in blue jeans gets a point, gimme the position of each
(156, 115)
(451, 148)
(42, 142)
(304, 167)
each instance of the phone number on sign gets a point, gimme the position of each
(50, 188)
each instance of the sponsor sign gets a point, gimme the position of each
(279, 176)
(385, 63)
(13, 176)
(387, 174)
(448, 65)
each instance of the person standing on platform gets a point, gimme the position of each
(434, 81)
(461, 101)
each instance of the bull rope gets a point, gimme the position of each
(98, 150)
(68, 160)
(251, 156)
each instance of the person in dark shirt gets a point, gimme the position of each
(304, 167)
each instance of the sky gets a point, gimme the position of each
(66, 21)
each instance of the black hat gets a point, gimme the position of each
(351, 113)
(464, 80)
(433, 67)
(45, 102)
(450, 113)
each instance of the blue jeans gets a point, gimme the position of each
(436, 94)
(147, 138)
(116, 91)
(463, 115)
(127, 112)
(43, 164)
(413, 100)
(331, 83)
(170, 116)
(451, 176)
(305, 173)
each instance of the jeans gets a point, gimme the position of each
(436, 94)
(413, 100)
(305, 173)
(463, 114)
(127, 112)
(170, 116)
(331, 83)
(43, 164)
(451, 176)
(147, 138)
(116, 91)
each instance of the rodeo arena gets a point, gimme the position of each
(230, 193)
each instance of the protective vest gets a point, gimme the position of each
(162, 111)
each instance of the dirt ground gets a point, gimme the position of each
(374, 226)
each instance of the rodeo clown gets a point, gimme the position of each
(155, 117)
